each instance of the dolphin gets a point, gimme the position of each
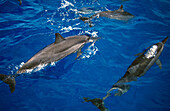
(118, 14)
(137, 69)
(140, 66)
(61, 48)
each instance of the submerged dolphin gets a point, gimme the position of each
(140, 66)
(119, 14)
(61, 48)
(137, 69)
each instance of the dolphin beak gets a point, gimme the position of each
(165, 40)
(94, 39)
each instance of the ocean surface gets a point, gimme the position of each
(26, 29)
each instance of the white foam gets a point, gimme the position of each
(90, 51)
(16, 67)
(65, 4)
(29, 71)
(53, 63)
(94, 33)
(39, 67)
(69, 28)
(151, 52)
(22, 63)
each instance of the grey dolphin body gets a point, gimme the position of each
(119, 14)
(61, 48)
(138, 68)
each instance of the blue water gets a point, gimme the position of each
(26, 29)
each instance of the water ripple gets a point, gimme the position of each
(28, 28)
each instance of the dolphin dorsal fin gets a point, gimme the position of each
(58, 38)
(121, 8)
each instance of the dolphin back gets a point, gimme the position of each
(61, 48)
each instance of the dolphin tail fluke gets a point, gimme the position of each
(87, 20)
(10, 80)
(99, 103)
(165, 40)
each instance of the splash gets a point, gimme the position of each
(39, 67)
(22, 63)
(92, 49)
(65, 4)
(151, 52)
(12, 68)
(53, 63)
(68, 29)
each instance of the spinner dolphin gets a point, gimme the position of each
(61, 48)
(140, 66)
(119, 14)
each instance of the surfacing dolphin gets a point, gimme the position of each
(137, 69)
(61, 48)
(119, 14)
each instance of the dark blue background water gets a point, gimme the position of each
(26, 29)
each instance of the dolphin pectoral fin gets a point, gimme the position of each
(79, 53)
(139, 54)
(10, 80)
(158, 62)
(58, 38)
